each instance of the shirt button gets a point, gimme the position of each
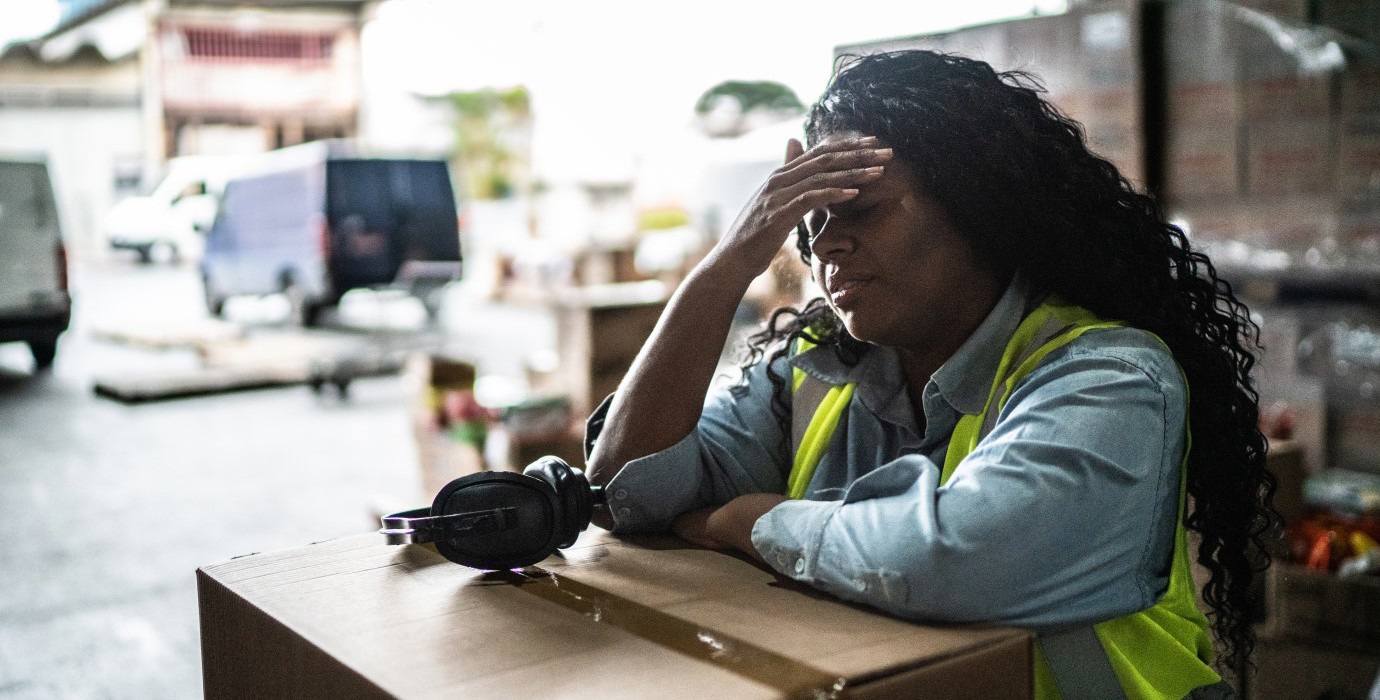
(620, 494)
(780, 559)
(861, 585)
(624, 512)
(800, 566)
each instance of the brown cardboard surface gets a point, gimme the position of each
(1293, 223)
(1289, 157)
(1360, 94)
(356, 618)
(1194, 104)
(1212, 220)
(1201, 161)
(1357, 18)
(1292, 669)
(599, 331)
(1286, 97)
(1087, 58)
(1312, 605)
(1358, 155)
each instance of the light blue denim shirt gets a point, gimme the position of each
(1064, 514)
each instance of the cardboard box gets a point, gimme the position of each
(1360, 91)
(1289, 669)
(609, 618)
(599, 331)
(447, 447)
(1312, 605)
(1356, 432)
(1041, 45)
(1287, 97)
(1087, 58)
(1211, 221)
(1286, 462)
(1201, 161)
(1194, 104)
(1359, 229)
(1289, 157)
(1358, 156)
(1356, 18)
(1294, 223)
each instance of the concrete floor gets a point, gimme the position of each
(110, 508)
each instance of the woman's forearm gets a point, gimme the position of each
(660, 398)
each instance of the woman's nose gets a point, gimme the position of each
(831, 241)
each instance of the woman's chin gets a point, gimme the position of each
(856, 327)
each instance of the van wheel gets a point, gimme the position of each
(162, 252)
(44, 351)
(301, 312)
(215, 304)
(311, 314)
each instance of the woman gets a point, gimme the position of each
(1019, 382)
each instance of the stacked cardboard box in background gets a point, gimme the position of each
(1087, 59)
(599, 331)
(1272, 162)
(1272, 138)
(1268, 139)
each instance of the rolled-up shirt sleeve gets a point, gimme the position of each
(736, 448)
(1055, 518)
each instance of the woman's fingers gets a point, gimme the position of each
(833, 165)
(814, 164)
(821, 189)
(830, 173)
(852, 177)
(838, 154)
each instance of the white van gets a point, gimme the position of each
(34, 304)
(169, 223)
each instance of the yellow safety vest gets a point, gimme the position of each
(1160, 653)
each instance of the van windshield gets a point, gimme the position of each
(176, 185)
(25, 201)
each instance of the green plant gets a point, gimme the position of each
(752, 95)
(492, 149)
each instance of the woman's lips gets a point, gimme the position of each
(843, 290)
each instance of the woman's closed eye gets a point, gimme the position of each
(846, 212)
(850, 211)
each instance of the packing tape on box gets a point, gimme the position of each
(792, 678)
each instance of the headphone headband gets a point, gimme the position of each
(418, 525)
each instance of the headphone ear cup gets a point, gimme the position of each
(572, 493)
(532, 504)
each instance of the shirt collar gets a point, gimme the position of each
(963, 380)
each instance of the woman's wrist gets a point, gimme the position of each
(732, 523)
(727, 270)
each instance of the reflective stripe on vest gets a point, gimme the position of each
(1161, 652)
(817, 407)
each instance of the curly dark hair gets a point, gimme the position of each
(1019, 182)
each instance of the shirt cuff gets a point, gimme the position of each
(649, 492)
(788, 537)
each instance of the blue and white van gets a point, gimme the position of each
(317, 220)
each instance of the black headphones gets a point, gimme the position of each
(502, 520)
